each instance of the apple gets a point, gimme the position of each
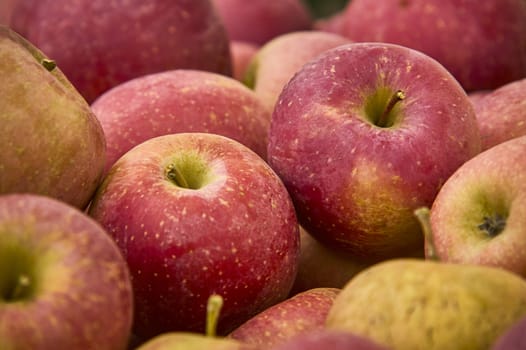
(479, 215)
(180, 101)
(52, 143)
(258, 21)
(278, 60)
(197, 214)
(501, 113)
(325, 8)
(364, 134)
(6, 7)
(302, 313)
(241, 53)
(63, 282)
(483, 44)
(329, 339)
(321, 266)
(513, 338)
(415, 304)
(100, 43)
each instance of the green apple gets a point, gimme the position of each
(52, 143)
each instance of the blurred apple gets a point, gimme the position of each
(479, 215)
(197, 214)
(100, 44)
(329, 339)
(513, 338)
(364, 134)
(501, 114)
(258, 21)
(6, 7)
(180, 101)
(52, 144)
(278, 60)
(483, 44)
(301, 314)
(63, 282)
(242, 53)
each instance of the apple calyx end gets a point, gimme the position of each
(19, 291)
(493, 225)
(423, 216)
(49, 64)
(213, 308)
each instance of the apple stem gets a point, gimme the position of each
(398, 96)
(22, 284)
(176, 176)
(48, 64)
(213, 308)
(422, 214)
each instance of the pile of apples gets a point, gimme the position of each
(232, 174)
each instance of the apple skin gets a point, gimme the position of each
(329, 339)
(514, 338)
(482, 44)
(235, 234)
(355, 185)
(242, 53)
(104, 43)
(192, 341)
(493, 182)
(52, 143)
(300, 314)
(501, 114)
(258, 21)
(180, 101)
(80, 293)
(279, 59)
(6, 7)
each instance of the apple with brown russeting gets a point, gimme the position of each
(180, 101)
(197, 214)
(100, 44)
(63, 282)
(364, 134)
(52, 143)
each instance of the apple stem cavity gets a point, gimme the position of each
(383, 121)
(49, 64)
(213, 308)
(493, 225)
(422, 214)
(176, 176)
(20, 289)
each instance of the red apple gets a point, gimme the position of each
(99, 44)
(241, 53)
(197, 214)
(180, 101)
(52, 143)
(501, 114)
(63, 282)
(6, 7)
(479, 215)
(278, 60)
(301, 314)
(329, 339)
(513, 338)
(364, 134)
(483, 44)
(258, 21)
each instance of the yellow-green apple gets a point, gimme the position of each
(302, 313)
(180, 101)
(258, 21)
(197, 214)
(483, 44)
(241, 53)
(513, 338)
(501, 113)
(52, 143)
(364, 134)
(63, 282)
(329, 339)
(414, 304)
(279, 59)
(479, 215)
(321, 266)
(104, 43)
